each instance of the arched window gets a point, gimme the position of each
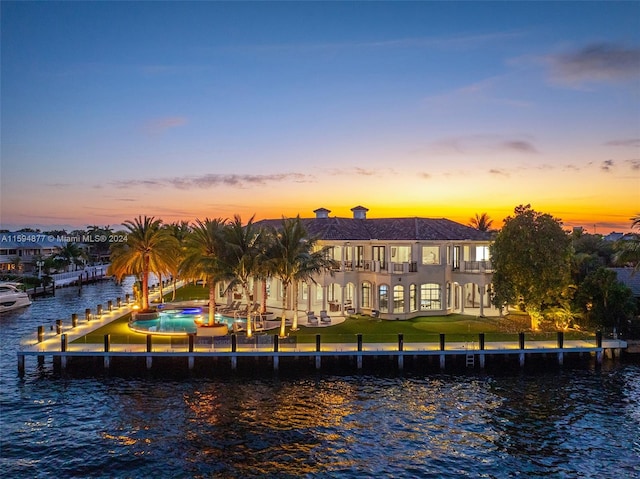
(413, 298)
(366, 294)
(384, 298)
(398, 298)
(430, 297)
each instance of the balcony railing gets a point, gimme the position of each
(371, 266)
(483, 266)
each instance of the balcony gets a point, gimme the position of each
(483, 266)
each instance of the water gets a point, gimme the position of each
(181, 320)
(571, 423)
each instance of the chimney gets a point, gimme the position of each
(322, 213)
(359, 212)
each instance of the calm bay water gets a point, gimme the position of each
(569, 423)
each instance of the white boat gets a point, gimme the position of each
(12, 297)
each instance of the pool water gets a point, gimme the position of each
(180, 321)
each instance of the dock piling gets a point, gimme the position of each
(318, 359)
(234, 348)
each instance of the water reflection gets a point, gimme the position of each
(572, 423)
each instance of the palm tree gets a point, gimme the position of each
(294, 258)
(481, 222)
(243, 258)
(628, 247)
(149, 248)
(204, 257)
(70, 253)
(180, 231)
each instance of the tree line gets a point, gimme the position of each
(220, 251)
(562, 278)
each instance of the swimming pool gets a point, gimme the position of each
(179, 321)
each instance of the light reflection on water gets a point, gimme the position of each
(572, 423)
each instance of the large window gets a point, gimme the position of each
(413, 297)
(333, 292)
(401, 254)
(430, 297)
(335, 253)
(348, 294)
(359, 256)
(456, 257)
(482, 253)
(430, 255)
(378, 254)
(398, 298)
(366, 294)
(384, 298)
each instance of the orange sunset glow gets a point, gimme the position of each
(449, 110)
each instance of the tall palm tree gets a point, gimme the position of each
(204, 257)
(481, 222)
(243, 258)
(294, 258)
(149, 248)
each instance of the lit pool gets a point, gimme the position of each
(177, 321)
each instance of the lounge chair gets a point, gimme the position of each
(231, 308)
(324, 317)
(241, 313)
(312, 318)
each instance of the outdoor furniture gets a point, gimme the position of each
(324, 317)
(312, 318)
(232, 307)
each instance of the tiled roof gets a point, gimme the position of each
(414, 229)
(632, 281)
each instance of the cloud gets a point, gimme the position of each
(211, 180)
(485, 91)
(624, 142)
(498, 172)
(364, 172)
(633, 164)
(158, 126)
(607, 165)
(444, 42)
(521, 146)
(596, 63)
(475, 144)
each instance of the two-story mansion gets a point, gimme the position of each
(397, 268)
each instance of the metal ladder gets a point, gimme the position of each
(471, 357)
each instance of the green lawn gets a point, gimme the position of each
(456, 327)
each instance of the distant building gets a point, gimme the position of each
(613, 236)
(20, 250)
(630, 280)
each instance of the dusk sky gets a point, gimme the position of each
(435, 109)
